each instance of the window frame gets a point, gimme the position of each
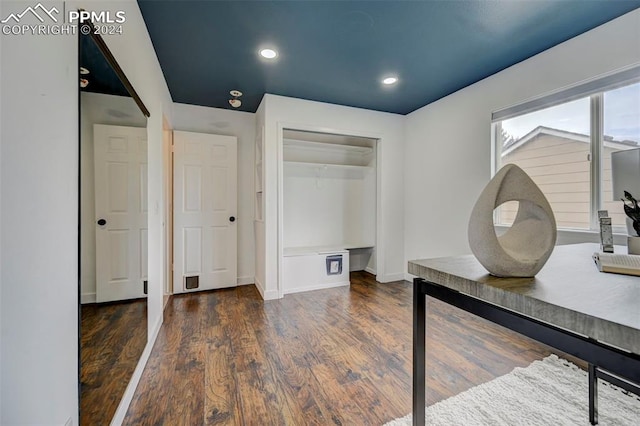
(594, 89)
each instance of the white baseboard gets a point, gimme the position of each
(408, 277)
(165, 301)
(317, 287)
(121, 411)
(155, 331)
(271, 295)
(370, 270)
(87, 298)
(390, 277)
(259, 286)
(266, 295)
(245, 280)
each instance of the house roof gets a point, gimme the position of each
(578, 137)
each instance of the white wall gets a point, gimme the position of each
(39, 217)
(389, 128)
(328, 210)
(1, 333)
(135, 54)
(39, 222)
(448, 142)
(96, 108)
(242, 125)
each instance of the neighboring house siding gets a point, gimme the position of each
(560, 167)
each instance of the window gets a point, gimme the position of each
(553, 146)
(564, 142)
(621, 117)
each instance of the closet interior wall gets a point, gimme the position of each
(329, 200)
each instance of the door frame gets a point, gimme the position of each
(167, 141)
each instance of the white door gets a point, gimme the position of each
(204, 217)
(120, 161)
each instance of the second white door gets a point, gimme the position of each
(205, 203)
(120, 156)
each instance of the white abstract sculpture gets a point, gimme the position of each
(524, 249)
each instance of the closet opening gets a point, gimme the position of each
(329, 209)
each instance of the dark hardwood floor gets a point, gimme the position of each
(340, 356)
(113, 337)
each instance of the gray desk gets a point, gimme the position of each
(569, 305)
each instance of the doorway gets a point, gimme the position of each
(205, 230)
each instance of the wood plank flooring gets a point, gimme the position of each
(113, 337)
(339, 356)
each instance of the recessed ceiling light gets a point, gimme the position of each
(390, 80)
(268, 53)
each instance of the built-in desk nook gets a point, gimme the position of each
(329, 209)
(315, 268)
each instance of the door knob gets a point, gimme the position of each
(232, 219)
(102, 222)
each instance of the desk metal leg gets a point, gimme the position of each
(613, 365)
(419, 328)
(596, 373)
(593, 395)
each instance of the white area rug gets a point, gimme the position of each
(549, 392)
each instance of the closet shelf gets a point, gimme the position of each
(320, 169)
(300, 251)
(325, 147)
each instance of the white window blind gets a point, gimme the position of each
(601, 84)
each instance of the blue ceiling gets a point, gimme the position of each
(338, 51)
(102, 78)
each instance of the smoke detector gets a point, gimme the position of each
(235, 102)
